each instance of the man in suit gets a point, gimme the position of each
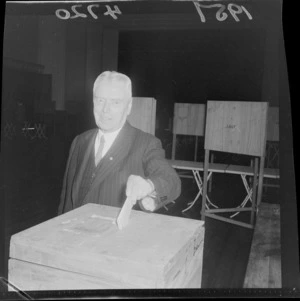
(116, 160)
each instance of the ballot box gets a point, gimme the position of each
(84, 249)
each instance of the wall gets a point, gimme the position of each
(51, 54)
(20, 40)
(76, 51)
(38, 40)
(271, 82)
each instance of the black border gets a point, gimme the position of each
(289, 208)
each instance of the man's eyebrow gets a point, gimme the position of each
(112, 99)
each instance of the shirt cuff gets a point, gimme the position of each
(153, 191)
(145, 209)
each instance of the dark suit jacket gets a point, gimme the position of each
(133, 152)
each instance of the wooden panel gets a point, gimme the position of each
(273, 124)
(189, 119)
(143, 114)
(30, 276)
(236, 127)
(264, 266)
(87, 241)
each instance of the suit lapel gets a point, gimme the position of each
(117, 152)
(86, 147)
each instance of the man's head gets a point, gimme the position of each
(112, 97)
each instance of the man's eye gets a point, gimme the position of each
(98, 101)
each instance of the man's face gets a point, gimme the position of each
(111, 105)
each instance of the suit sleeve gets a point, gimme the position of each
(165, 179)
(64, 199)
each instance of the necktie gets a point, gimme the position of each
(98, 155)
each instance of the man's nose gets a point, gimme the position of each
(106, 107)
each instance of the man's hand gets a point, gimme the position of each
(148, 203)
(138, 188)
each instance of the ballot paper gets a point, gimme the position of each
(123, 217)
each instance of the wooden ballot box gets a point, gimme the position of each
(84, 249)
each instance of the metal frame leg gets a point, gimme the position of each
(200, 186)
(248, 196)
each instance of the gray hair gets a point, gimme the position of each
(113, 76)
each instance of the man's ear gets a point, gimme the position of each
(129, 107)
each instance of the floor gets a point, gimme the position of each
(226, 246)
(33, 173)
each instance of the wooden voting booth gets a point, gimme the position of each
(189, 119)
(273, 124)
(84, 249)
(272, 138)
(143, 114)
(272, 144)
(186, 122)
(236, 127)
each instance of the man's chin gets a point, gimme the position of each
(106, 128)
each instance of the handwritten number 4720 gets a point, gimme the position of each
(234, 9)
(65, 14)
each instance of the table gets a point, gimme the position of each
(243, 171)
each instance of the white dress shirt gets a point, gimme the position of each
(109, 139)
